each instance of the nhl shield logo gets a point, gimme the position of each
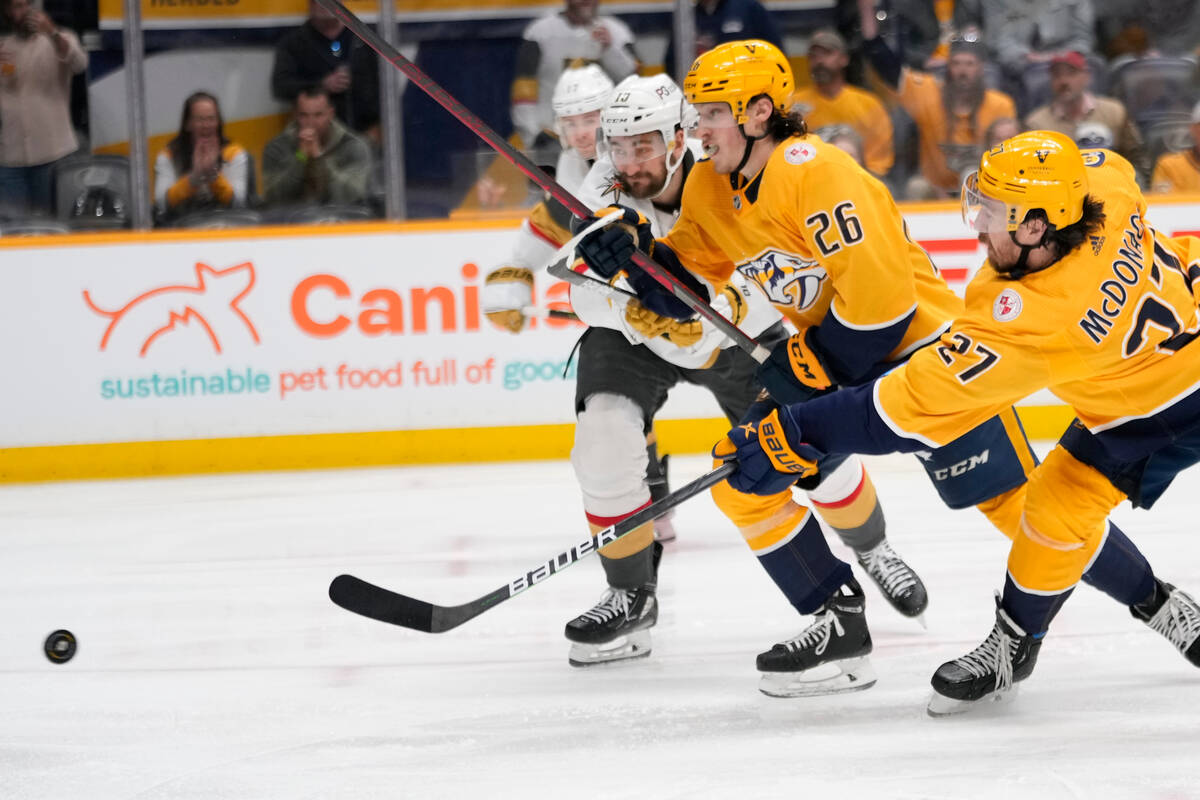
(1007, 306)
(737, 202)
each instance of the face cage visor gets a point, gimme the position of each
(713, 115)
(575, 125)
(629, 152)
(981, 213)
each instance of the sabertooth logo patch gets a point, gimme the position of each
(787, 280)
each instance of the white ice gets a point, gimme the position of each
(212, 665)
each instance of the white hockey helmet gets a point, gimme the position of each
(580, 90)
(646, 105)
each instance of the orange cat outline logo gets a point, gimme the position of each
(212, 302)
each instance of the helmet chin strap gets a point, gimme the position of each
(671, 168)
(1021, 268)
(736, 179)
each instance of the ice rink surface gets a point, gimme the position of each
(211, 664)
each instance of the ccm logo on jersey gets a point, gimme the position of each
(1007, 306)
(962, 467)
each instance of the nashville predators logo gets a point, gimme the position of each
(787, 280)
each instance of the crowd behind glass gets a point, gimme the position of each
(914, 89)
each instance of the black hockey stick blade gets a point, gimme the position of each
(369, 600)
(390, 54)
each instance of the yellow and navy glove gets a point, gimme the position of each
(610, 249)
(506, 291)
(770, 455)
(652, 325)
(793, 372)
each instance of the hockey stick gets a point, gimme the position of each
(369, 600)
(522, 162)
(550, 313)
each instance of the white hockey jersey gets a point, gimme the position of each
(609, 312)
(540, 235)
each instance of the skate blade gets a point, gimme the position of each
(623, 648)
(920, 618)
(838, 677)
(942, 706)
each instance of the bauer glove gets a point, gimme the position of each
(771, 458)
(609, 250)
(506, 292)
(793, 372)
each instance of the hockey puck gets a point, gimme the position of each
(60, 646)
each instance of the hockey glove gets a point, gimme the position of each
(793, 373)
(610, 249)
(652, 325)
(506, 291)
(769, 453)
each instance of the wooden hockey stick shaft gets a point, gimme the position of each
(481, 129)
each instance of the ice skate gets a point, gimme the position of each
(615, 629)
(1175, 615)
(827, 657)
(901, 586)
(989, 673)
(660, 487)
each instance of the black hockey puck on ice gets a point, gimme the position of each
(60, 646)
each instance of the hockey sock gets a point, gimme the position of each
(803, 567)
(1033, 612)
(1119, 569)
(630, 572)
(846, 500)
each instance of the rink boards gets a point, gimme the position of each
(275, 348)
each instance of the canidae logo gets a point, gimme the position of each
(211, 303)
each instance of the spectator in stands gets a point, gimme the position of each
(951, 116)
(200, 169)
(552, 42)
(1024, 32)
(1000, 129)
(324, 52)
(831, 100)
(1180, 172)
(316, 160)
(720, 21)
(37, 60)
(844, 138)
(1073, 105)
(1139, 28)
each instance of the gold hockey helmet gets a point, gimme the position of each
(736, 73)
(1032, 170)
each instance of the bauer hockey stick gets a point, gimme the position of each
(369, 600)
(481, 129)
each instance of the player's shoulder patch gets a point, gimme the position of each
(799, 152)
(1007, 306)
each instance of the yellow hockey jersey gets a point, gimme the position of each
(824, 240)
(1108, 329)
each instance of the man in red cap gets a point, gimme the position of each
(1073, 105)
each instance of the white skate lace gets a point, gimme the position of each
(817, 633)
(995, 655)
(614, 603)
(888, 569)
(1178, 620)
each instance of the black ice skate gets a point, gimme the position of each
(896, 579)
(615, 629)
(989, 672)
(827, 657)
(656, 481)
(1176, 616)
